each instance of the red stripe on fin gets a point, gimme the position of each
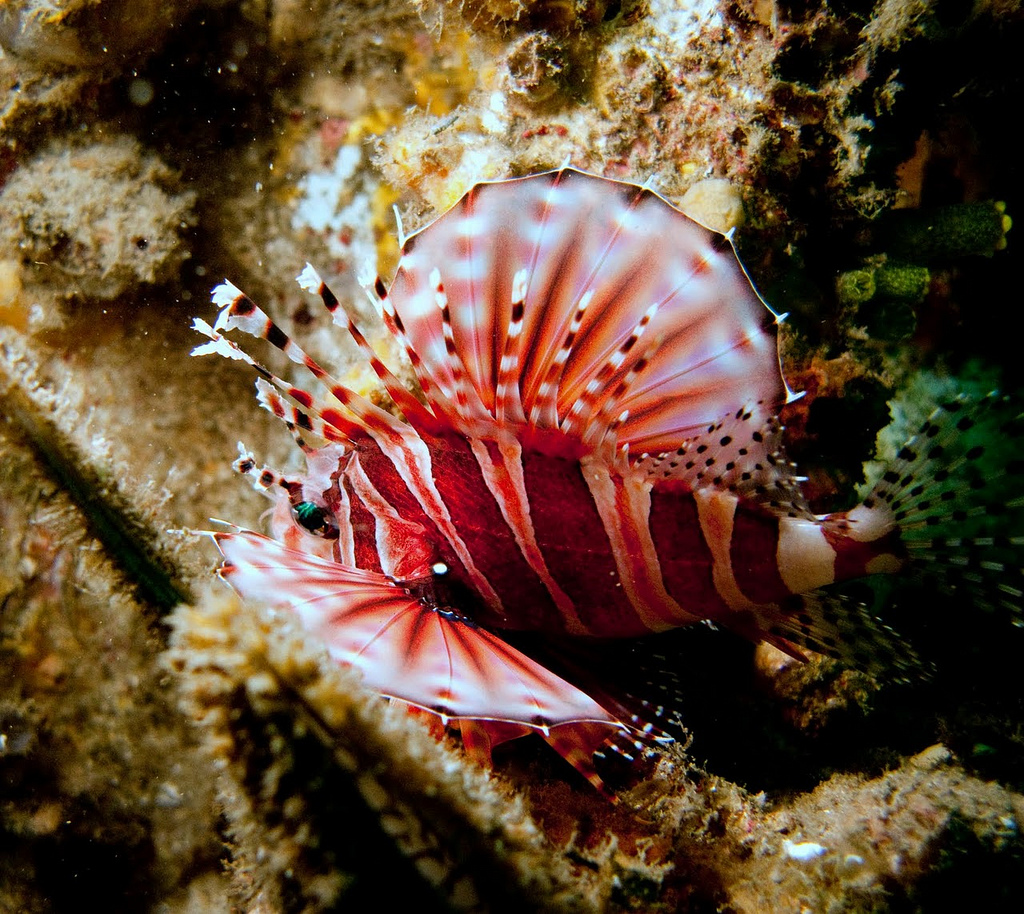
(300, 420)
(344, 427)
(310, 280)
(427, 655)
(623, 249)
(238, 311)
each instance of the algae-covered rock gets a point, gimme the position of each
(94, 220)
(74, 34)
(100, 781)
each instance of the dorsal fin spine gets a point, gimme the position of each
(587, 407)
(533, 294)
(311, 281)
(544, 410)
(602, 426)
(591, 281)
(377, 292)
(507, 400)
(344, 426)
(298, 419)
(241, 312)
(468, 404)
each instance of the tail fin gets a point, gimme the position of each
(955, 493)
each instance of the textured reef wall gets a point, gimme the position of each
(208, 758)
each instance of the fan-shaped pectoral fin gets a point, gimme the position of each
(409, 648)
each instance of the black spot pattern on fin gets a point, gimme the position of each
(656, 678)
(956, 493)
(742, 453)
(835, 624)
(648, 720)
(984, 570)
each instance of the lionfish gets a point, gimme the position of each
(596, 455)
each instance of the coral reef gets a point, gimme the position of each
(856, 844)
(149, 150)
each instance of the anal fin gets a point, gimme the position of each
(831, 622)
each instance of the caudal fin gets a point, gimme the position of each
(955, 493)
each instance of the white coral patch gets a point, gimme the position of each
(804, 851)
(335, 205)
(322, 192)
(682, 22)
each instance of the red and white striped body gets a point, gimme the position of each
(563, 545)
(598, 456)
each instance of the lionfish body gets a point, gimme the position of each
(597, 455)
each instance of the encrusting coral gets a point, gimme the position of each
(93, 220)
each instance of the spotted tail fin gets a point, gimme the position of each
(955, 494)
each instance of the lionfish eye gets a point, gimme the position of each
(315, 519)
